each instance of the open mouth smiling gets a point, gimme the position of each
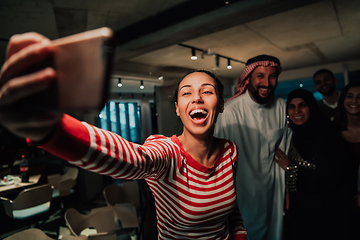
(198, 114)
(353, 106)
(263, 91)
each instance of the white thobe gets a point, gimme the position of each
(257, 130)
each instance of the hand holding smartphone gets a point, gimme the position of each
(40, 82)
(83, 64)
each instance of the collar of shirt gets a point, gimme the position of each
(331, 105)
(251, 102)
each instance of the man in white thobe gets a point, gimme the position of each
(255, 120)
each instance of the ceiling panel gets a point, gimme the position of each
(298, 59)
(24, 16)
(347, 47)
(299, 26)
(349, 15)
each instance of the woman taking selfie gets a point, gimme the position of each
(315, 172)
(191, 175)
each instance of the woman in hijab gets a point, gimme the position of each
(315, 171)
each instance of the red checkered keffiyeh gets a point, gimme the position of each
(251, 64)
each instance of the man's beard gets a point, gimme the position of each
(330, 92)
(255, 93)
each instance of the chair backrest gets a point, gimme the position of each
(29, 202)
(114, 194)
(132, 192)
(126, 213)
(29, 234)
(68, 181)
(127, 192)
(63, 184)
(125, 210)
(71, 173)
(54, 180)
(101, 219)
(69, 237)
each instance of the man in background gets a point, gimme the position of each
(255, 120)
(325, 83)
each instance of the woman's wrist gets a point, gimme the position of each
(291, 177)
(43, 140)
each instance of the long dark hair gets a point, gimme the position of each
(341, 121)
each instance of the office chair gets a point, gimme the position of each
(29, 234)
(132, 192)
(125, 201)
(101, 219)
(63, 191)
(30, 202)
(37, 234)
(63, 184)
(124, 204)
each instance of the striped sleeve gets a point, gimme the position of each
(107, 153)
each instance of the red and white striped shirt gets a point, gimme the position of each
(192, 201)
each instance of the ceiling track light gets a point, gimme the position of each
(193, 54)
(160, 77)
(229, 64)
(142, 84)
(119, 83)
(210, 53)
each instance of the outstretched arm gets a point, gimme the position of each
(107, 153)
(102, 152)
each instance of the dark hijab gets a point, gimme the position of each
(306, 136)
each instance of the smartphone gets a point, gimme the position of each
(83, 63)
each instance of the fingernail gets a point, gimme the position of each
(45, 42)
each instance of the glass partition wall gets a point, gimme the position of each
(122, 118)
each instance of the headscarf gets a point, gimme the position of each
(308, 97)
(309, 132)
(251, 64)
